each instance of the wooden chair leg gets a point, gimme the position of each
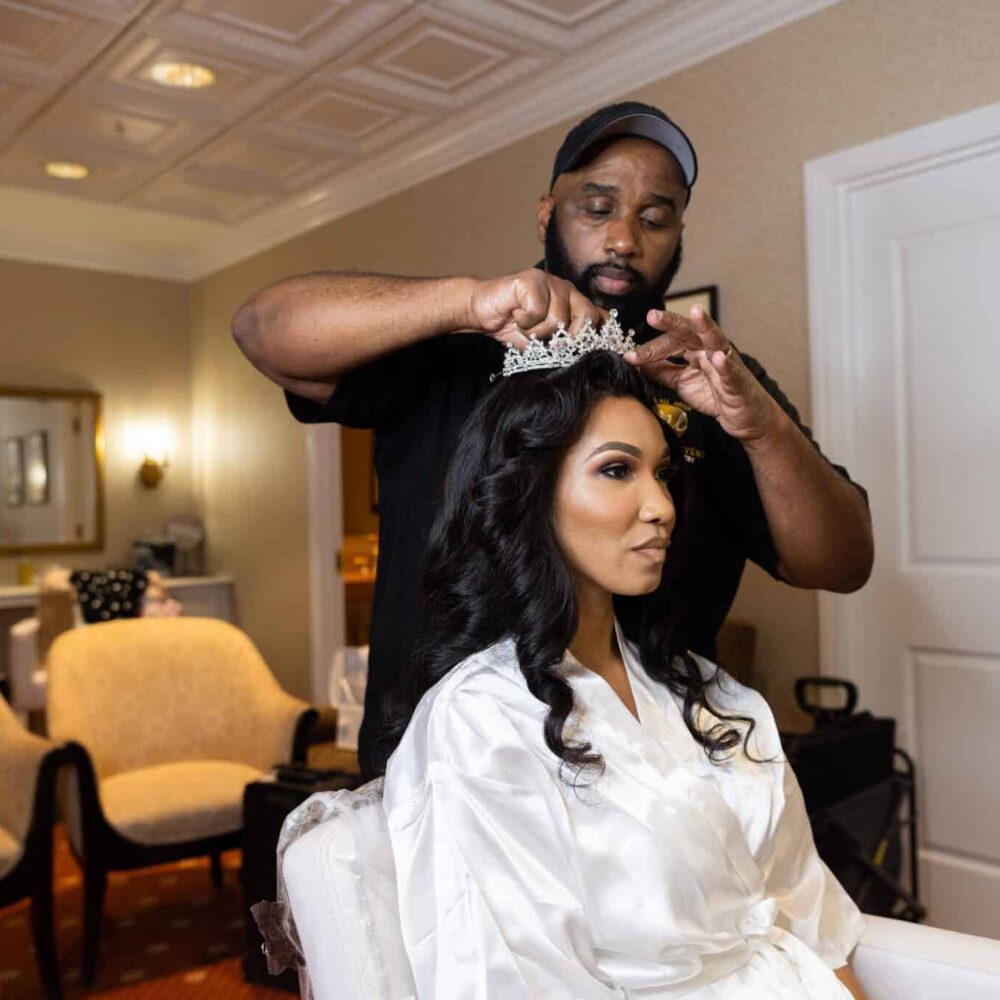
(43, 929)
(95, 883)
(217, 878)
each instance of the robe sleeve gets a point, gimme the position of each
(812, 904)
(489, 900)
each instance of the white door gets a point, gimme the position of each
(326, 531)
(904, 256)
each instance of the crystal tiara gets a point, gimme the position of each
(561, 350)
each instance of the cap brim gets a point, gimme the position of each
(646, 126)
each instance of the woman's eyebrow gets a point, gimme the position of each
(629, 449)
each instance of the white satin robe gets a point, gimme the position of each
(668, 876)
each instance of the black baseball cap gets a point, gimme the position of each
(627, 118)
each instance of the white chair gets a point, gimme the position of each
(28, 679)
(337, 905)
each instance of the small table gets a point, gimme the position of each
(266, 803)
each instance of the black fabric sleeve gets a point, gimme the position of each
(739, 487)
(373, 395)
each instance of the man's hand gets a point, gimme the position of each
(692, 357)
(511, 308)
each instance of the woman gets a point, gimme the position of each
(579, 808)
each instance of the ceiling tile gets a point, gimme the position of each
(563, 12)
(48, 43)
(82, 120)
(191, 196)
(18, 102)
(561, 25)
(240, 83)
(291, 23)
(253, 163)
(331, 118)
(110, 178)
(438, 57)
(298, 35)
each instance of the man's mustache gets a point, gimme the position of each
(594, 269)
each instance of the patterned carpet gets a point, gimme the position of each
(167, 934)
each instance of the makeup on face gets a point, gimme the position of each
(613, 510)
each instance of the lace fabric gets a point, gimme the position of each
(282, 944)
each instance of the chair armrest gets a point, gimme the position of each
(23, 757)
(899, 959)
(81, 804)
(284, 725)
(304, 730)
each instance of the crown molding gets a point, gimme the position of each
(142, 242)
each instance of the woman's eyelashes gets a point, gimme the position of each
(625, 470)
(616, 470)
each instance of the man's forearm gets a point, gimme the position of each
(819, 521)
(314, 327)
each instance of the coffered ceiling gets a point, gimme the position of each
(317, 107)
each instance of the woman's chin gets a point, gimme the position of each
(638, 587)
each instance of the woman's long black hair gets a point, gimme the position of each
(494, 567)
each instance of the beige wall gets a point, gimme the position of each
(855, 72)
(128, 339)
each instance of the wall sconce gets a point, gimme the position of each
(153, 443)
(151, 471)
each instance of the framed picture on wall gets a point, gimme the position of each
(36, 467)
(13, 467)
(707, 297)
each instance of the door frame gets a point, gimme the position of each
(836, 345)
(326, 532)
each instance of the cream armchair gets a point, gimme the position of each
(337, 919)
(27, 781)
(168, 720)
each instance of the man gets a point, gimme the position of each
(410, 357)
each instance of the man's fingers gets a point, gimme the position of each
(531, 308)
(666, 348)
(679, 327)
(583, 309)
(726, 372)
(558, 313)
(512, 335)
(711, 337)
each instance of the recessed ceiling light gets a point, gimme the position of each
(66, 171)
(191, 76)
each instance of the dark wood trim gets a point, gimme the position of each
(31, 877)
(304, 729)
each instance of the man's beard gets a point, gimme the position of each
(634, 304)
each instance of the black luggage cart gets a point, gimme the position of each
(860, 793)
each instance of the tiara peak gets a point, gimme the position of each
(562, 350)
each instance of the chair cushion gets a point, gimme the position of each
(340, 878)
(174, 803)
(11, 850)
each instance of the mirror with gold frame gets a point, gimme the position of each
(51, 471)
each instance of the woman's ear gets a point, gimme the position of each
(545, 205)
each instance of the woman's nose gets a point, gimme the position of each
(658, 506)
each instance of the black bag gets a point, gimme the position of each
(859, 791)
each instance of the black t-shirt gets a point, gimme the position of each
(418, 399)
